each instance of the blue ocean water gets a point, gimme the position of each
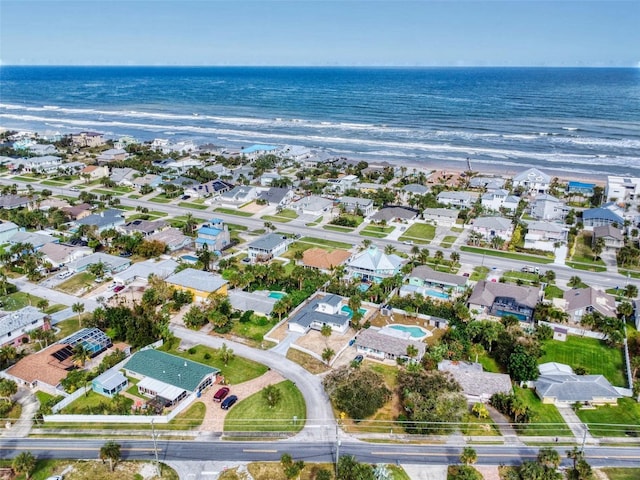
(571, 120)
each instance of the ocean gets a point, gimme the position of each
(581, 121)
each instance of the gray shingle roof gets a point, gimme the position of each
(308, 314)
(268, 242)
(474, 381)
(424, 272)
(19, 319)
(485, 293)
(493, 223)
(389, 213)
(379, 339)
(580, 298)
(575, 388)
(197, 279)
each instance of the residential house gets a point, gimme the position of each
(547, 207)
(142, 270)
(36, 239)
(148, 180)
(123, 176)
(46, 164)
(87, 139)
(93, 340)
(94, 172)
(9, 202)
(392, 213)
(295, 152)
(212, 188)
(428, 278)
(238, 196)
(267, 247)
(110, 218)
(323, 260)
(457, 199)
(622, 189)
(580, 188)
(44, 369)
(477, 385)
(266, 179)
(320, 311)
(144, 227)
(77, 212)
(173, 238)
(124, 142)
(354, 204)
(414, 189)
(342, 184)
(200, 283)
(612, 237)
(445, 217)
(578, 302)
(215, 235)
(373, 265)
(487, 183)
(558, 385)
(112, 263)
(544, 236)
(167, 377)
(597, 217)
(503, 299)
(280, 197)
(388, 344)
(109, 383)
(112, 155)
(15, 326)
(497, 200)
(40, 150)
(313, 205)
(491, 227)
(7, 230)
(255, 151)
(260, 302)
(533, 181)
(60, 254)
(52, 202)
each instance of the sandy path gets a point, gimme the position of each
(214, 416)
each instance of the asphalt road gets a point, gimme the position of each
(307, 451)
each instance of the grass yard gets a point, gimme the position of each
(378, 229)
(160, 199)
(284, 216)
(325, 243)
(590, 353)
(253, 414)
(230, 211)
(70, 325)
(448, 241)
(191, 418)
(52, 183)
(419, 233)
(622, 473)
(527, 278)
(337, 228)
(369, 233)
(76, 282)
(547, 420)
(622, 420)
(489, 364)
(306, 361)
(479, 273)
(274, 471)
(90, 401)
(254, 329)
(590, 267)
(197, 206)
(18, 300)
(553, 291)
(92, 469)
(238, 370)
(523, 257)
(474, 426)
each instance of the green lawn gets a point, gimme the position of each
(474, 426)
(373, 234)
(325, 243)
(622, 473)
(75, 283)
(553, 291)
(489, 364)
(231, 211)
(191, 418)
(52, 183)
(253, 414)
(613, 421)
(237, 371)
(91, 401)
(70, 325)
(514, 275)
(284, 216)
(499, 253)
(18, 300)
(479, 273)
(254, 329)
(378, 229)
(160, 199)
(588, 267)
(547, 421)
(104, 191)
(448, 241)
(338, 228)
(590, 353)
(419, 233)
(197, 206)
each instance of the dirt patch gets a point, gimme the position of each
(214, 416)
(253, 207)
(315, 342)
(488, 472)
(280, 332)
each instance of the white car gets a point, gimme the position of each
(55, 477)
(64, 275)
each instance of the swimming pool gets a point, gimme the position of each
(277, 295)
(346, 309)
(504, 313)
(437, 294)
(189, 258)
(417, 333)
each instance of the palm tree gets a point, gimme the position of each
(325, 331)
(630, 291)
(81, 354)
(110, 451)
(298, 255)
(575, 281)
(78, 308)
(412, 352)
(327, 355)
(226, 354)
(389, 249)
(468, 456)
(25, 463)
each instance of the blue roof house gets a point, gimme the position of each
(215, 235)
(109, 383)
(581, 188)
(597, 217)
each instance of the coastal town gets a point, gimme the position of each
(277, 291)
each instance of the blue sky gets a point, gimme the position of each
(307, 32)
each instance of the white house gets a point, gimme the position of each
(544, 236)
(622, 189)
(490, 227)
(313, 205)
(342, 184)
(14, 326)
(457, 199)
(268, 247)
(445, 217)
(500, 199)
(319, 311)
(532, 180)
(239, 195)
(548, 207)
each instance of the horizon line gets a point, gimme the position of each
(389, 66)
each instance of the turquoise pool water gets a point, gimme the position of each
(436, 294)
(504, 313)
(348, 311)
(277, 295)
(416, 332)
(189, 258)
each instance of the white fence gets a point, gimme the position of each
(578, 332)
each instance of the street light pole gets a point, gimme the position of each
(155, 448)
(337, 448)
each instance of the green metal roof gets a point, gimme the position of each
(170, 369)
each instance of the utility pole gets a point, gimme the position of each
(337, 447)
(155, 448)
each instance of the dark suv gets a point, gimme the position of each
(228, 402)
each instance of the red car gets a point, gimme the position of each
(220, 394)
(118, 288)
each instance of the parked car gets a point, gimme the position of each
(55, 477)
(358, 359)
(408, 242)
(220, 394)
(186, 197)
(228, 402)
(118, 288)
(126, 254)
(64, 275)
